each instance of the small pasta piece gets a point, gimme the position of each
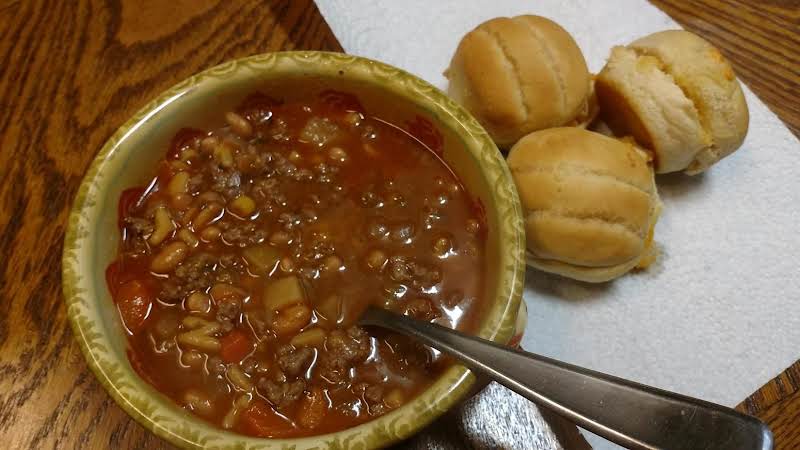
(239, 124)
(181, 201)
(188, 215)
(314, 337)
(209, 144)
(169, 257)
(198, 402)
(211, 197)
(188, 237)
(192, 358)
(239, 405)
(291, 319)
(242, 206)
(162, 226)
(280, 238)
(394, 398)
(192, 322)
(221, 291)
(208, 215)
(200, 341)
(178, 184)
(200, 335)
(239, 378)
(224, 155)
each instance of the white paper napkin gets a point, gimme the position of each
(719, 313)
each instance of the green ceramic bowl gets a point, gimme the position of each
(129, 157)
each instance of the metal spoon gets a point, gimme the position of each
(631, 414)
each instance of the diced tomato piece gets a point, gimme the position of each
(259, 419)
(257, 104)
(123, 270)
(235, 346)
(341, 101)
(112, 277)
(128, 200)
(313, 408)
(134, 300)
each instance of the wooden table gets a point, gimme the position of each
(72, 72)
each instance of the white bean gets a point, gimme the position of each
(169, 257)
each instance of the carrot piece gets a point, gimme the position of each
(235, 346)
(134, 300)
(313, 408)
(259, 419)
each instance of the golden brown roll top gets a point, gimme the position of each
(590, 202)
(677, 96)
(517, 75)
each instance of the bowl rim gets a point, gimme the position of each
(187, 431)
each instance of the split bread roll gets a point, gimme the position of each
(521, 74)
(590, 203)
(676, 95)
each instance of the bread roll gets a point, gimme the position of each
(677, 96)
(518, 75)
(590, 202)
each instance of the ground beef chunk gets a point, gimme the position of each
(411, 353)
(242, 235)
(226, 182)
(171, 293)
(215, 365)
(403, 269)
(250, 161)
(294, 361)
(422, 308)
(138, 226)
(195, 181)
(281, 394)
(372, 396)
(197, 271)
(343, 349)
(228, 312)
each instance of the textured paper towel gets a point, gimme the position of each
(719, 313)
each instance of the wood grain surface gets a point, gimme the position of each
(71, 72)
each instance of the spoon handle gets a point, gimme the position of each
(631, 414)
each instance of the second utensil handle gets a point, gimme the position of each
(628, 413)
